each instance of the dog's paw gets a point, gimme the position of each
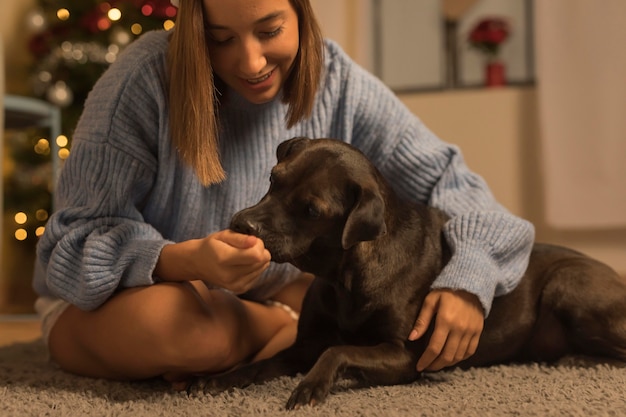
(308, 393)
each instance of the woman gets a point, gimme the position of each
(136, 273)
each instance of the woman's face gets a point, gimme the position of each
(252, 44)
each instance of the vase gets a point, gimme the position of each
(495, 74)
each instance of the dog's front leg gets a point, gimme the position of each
(288, 362)
(383, 364)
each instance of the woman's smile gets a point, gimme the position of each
(261, 79)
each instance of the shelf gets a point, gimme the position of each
(22, 112)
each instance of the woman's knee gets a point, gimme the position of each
(70, 352)
(211, 337)
(146, 332)
(200, 330)
(185, 331)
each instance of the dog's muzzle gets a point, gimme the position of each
(241, 223)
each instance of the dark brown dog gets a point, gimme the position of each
(329, 212)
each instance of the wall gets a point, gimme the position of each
(348, 22)
(15, 263)
(498, 131)
(15, 32)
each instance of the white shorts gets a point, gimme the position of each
(49, 309)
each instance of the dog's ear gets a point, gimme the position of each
(366, 221)
(289, 146)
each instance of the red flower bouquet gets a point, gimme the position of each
(488, 35)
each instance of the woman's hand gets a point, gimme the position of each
(459, 320)
(225, 259)
(233, 260)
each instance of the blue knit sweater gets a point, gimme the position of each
(123, 194)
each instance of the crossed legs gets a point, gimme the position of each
(172, 330)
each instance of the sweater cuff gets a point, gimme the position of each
(141, 271)
(473, 271)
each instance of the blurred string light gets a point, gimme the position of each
(71, 46)
(23, 221)
(63, 14)
(21, 234)
(20, 219)
(34, 223)
(42, 147)
(63, 143)
(114, 14)
(120, 26)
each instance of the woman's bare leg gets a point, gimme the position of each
(168, 329)
(292, 295)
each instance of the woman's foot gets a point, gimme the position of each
(279, 317)
(284, 336)
(292, 294)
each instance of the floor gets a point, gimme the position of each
(18, 329)
(18, 321)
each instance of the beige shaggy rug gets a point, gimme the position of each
(31, 386)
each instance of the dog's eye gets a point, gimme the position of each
(313, 212)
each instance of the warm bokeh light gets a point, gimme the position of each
(168, 24)
(62, 141)
(40, 230)
(42, 147)
(136, 29)
(63, 14)
(21, 218)
(21, 234)
(104, 24)
(41, 215)
(170, 11)
(64, 153)
(115, 14)
(147, 9)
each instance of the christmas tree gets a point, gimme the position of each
(72, 43)
(78, 39)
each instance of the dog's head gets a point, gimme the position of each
(324, 198)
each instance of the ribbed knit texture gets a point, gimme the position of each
(123, 194)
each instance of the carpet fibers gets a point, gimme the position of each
(31, 386)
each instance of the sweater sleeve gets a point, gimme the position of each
(97, 240)
(490, 246)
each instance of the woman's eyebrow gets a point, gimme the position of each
(269, 17)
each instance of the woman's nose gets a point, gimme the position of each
(252, 58)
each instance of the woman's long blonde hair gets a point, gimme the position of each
(193, 99)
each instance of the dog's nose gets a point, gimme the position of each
(245, 226)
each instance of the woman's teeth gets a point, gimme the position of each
(261, 79)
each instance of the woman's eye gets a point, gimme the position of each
(272, 33)
(222, 39)
(221, 42)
